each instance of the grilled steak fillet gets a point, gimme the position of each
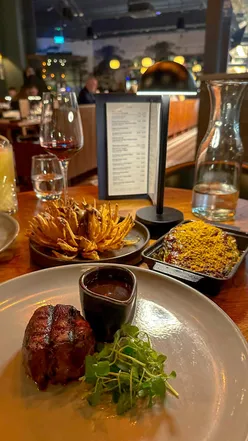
(56, 342)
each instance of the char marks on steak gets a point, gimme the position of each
(56, 342)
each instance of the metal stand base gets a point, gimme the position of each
(159, 224)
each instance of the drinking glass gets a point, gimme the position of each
(61, 131)
(47, 177)
(8, 197)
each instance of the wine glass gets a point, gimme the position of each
(61, 131)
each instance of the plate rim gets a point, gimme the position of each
(17, 230)
(228, 321)
(194, 291)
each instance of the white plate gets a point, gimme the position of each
(9, 229)
(202, 344)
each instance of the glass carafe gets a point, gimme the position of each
(220, 155)
(8, 197)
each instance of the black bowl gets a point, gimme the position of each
(106, 314)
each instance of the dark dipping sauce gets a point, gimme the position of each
(112, 288)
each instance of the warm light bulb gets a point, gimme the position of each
(240, 69)
(43, 76)
(52, 75)
(62, 75)
(143, 70)
(44, 63)
(114, 64)
(44, 70)
(197, 68)
(179, 59)
(147, 62)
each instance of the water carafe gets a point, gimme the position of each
(220, 155)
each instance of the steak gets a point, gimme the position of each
(56, 342)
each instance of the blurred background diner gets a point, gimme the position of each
(106, 47)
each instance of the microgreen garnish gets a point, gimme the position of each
(130, 369)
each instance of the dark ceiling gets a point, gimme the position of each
(105, 18)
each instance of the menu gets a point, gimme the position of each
(133, 130)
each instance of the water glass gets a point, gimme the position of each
(8, 197)
(47, 177)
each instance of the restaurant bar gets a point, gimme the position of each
(124, 220)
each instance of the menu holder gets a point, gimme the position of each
(131, 146)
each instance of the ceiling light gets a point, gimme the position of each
(143, 70)
(55, 60)
(49, 60)
(179, 59)
(114, 64)
(81, 14)
(167, 78)
(49, 87)
(75, 14)
(62, 75)
(197, 68)
(44, 63)
(43, 76)
(52, 75)
(44, 70)
(147, 62)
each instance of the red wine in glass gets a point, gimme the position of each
(61, 131)
(63, 149)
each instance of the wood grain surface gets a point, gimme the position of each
(233, 298)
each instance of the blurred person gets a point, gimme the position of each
(29, 71)
(32, 78)
(21, 95)
(12, 92)
(33, 91)
(86, 95)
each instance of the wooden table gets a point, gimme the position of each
(233, 298)
(7, 126)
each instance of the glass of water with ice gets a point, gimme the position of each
(47, 178)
